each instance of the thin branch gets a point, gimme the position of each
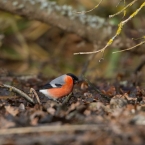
(62, 128)
(130, 4)
(87, 52)
(120, 27)
(118, 3)
(32, 91)
(140, 66)
(66, 100)
(83, 12)
(130, 47)
(21, 93)
(97, 90)
(8, 97)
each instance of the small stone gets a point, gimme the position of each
(21, 6)
(15, 3)
(118, 103)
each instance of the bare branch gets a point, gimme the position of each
(120, 27)
(21, 93)
(63, 17)
(83, 12)
(130, 47)
(130, 4)
(33, 92)
(61, 128)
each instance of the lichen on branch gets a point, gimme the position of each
(63, 17)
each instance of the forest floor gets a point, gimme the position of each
(104, 113)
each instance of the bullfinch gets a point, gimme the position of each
(60, 86)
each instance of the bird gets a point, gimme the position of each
(60, 86)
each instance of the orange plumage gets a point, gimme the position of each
(64, 90)
(60, 86)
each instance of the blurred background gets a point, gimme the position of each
(34, 48)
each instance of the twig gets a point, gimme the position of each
(130, 47)
(67, 99)
(97, 90)
(89, 59)
(118, 3)
(8, 97)
(120, 27)
(92, 52)
(21, 93)
(62, 128)
(139, 67)
(83, 12)
(35, 94)
(130, 4)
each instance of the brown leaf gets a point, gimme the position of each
(12, 110)
(5, 123)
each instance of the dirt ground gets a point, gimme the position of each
(103, 113)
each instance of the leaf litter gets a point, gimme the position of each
(114, 114)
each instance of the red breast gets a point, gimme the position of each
(62, 91)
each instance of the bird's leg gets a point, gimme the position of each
(67, 99)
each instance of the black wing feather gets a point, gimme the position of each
(46, 86)
(49, 86)
(58, 85)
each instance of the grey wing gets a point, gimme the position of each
(58, 82)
